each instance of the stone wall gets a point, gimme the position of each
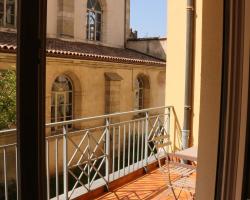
(156, 47)
(67, 19)
(98, 88)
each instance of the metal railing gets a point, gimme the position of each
(97, 151)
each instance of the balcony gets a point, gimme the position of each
(99, 154)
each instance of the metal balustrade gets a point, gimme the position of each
(97, 151)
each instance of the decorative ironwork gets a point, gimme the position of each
(101, 151)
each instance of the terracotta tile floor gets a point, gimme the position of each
(150, 186)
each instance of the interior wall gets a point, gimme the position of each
(207, 81)
(210, 96)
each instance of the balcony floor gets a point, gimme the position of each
(152, 186)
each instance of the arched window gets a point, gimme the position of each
(62, 100)
(142, 92)
(94, 20)
(139, 93)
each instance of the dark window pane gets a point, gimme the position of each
(70, 126)
(98, 36)
(98, 27)
(10, 12)
(53, 99)
(68, 118)
(60, 111)
(98, 6)
(98, 17)
(68, 98)
(91, 4)
(53, 112)
(1, 12)
(68, 110)
(1, 6)
(1, 19)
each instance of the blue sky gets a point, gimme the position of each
(148, 17)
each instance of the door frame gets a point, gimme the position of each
(234, 102)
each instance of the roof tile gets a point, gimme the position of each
(80, 50)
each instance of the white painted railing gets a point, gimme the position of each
(97, 151)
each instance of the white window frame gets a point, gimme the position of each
(65, 93)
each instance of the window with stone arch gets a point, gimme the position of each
(141, 98)
(62, 101)
(94, 20)
(139, 93)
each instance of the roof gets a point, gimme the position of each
(84, 51)
(147, 39)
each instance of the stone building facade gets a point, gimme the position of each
(86, 51)
(89, 70)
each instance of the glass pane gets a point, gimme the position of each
(10, 12)
(91, 4)
(68, 118)
(70, 125)
(98, 36)
(60, 112)
(98, 6)
(98, 17)
(140, 81)
(1, 12)
(69, 98)
(53, 99)
(98, 27)
(53, 112)
(53, 129)
(60, 99)
(92, 18)
(69, 110)
(62, 83)
(136, 100)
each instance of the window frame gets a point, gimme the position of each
(97, 24)
(31, 93)
(66, 94)
(140, 88)
(4, 23)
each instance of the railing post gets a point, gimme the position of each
(5, 173)
(107, 149)
(146, 138)
(168, 125)
(89, 161)
(65, 163)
